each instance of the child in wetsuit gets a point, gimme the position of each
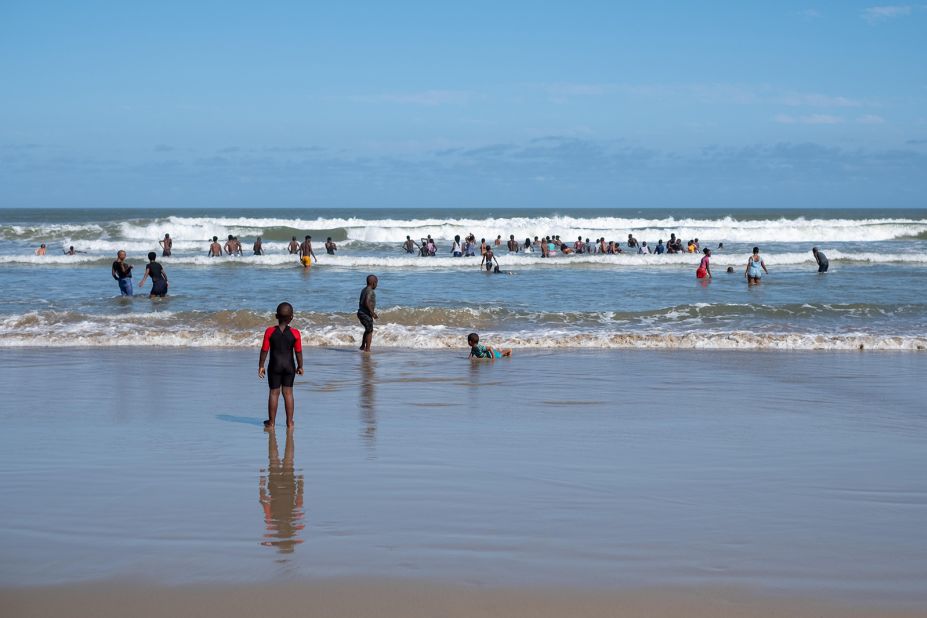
(478, 350)
(158, 277)
(281, 343)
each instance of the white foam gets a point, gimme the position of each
(173, 330)
(387, 230)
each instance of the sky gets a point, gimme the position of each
(463, 104)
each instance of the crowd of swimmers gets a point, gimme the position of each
(549, 246)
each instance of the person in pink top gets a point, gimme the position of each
(704, 268)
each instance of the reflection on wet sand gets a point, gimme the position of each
(367, 403)
(281, 495)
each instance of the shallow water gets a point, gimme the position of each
(872, 296)
(799, 473)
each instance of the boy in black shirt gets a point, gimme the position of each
(281, 343)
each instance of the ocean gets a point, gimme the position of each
(872, 298)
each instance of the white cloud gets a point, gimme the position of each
(875, 14)
(800, 99)
(730, 94)
(809, 119)
(870, 119)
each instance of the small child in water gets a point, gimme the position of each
(478, 350)
(281, 343)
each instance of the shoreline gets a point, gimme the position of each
(352, 597)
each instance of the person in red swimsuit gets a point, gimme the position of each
(281, 343)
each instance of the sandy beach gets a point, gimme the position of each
(402, 599)
(602, 476)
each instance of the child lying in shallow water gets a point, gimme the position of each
(478, 350)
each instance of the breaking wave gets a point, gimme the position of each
(445, 328)
(386, 230)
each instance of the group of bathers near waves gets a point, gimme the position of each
(756, 267)
(549, 246)
(303, 250)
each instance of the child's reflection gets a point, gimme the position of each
(281, 494)
(368, 404)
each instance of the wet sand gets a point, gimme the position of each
(651, 481)
(351, 598)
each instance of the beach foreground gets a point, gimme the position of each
(352, 598)
(654, 482)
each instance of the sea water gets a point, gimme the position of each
(872, 298)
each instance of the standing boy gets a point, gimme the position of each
(159, 281)
(367, 311)
(305, 249)
(166, 245)
(281, 343)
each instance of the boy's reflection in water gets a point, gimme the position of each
(281, 494)
(368, 404)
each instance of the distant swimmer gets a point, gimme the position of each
(215, 249)
(293, 247)
(281, 343)
(258, 247)
(644, 248)
(821, 259)
(754, 264)
(479, 350)
(704, 267)
(488, 258)
(233, 246)
(330, 246)
(513, 244)
(410, 245)
(456, 248)
(367, 311)
(660, 249)
(41, 249)
(730, 269)
(166, 245)
(632, 242)
(305, 249)
(158, 277)
(72, 251)
(498, 241)
(122, 273)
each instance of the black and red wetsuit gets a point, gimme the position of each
(281, 346)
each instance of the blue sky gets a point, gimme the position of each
(554, 104)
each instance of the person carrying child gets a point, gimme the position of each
(280, 344)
